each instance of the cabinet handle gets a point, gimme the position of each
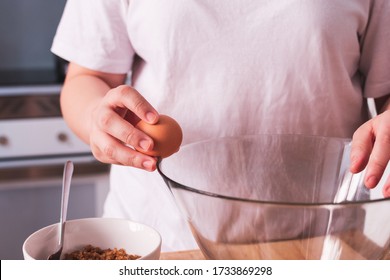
(4, 141)
(62, 137)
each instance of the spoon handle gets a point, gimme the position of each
(68, 172)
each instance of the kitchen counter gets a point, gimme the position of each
(182, 255)
(197, 254)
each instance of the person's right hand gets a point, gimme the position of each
(113, 135)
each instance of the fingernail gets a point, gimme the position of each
(148, 164)
(150, 117)
(145, 145)
(372, 181)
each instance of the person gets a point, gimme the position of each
(220, 68)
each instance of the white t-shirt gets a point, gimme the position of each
(224, 68)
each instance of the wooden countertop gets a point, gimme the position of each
(195, 255)
(293, 249)
(182, 255)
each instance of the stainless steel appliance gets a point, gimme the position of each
(34, 139)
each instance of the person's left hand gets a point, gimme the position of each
(371, 149)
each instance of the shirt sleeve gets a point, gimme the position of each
(375, 51)
(93, 34)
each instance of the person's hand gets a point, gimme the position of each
(113, 135)
(371, 148)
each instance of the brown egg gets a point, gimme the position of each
(166, 134)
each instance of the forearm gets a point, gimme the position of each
(79, 96)
(82, 92)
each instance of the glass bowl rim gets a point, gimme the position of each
(256, 201)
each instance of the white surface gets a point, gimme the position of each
(105, 233)
(35, 137)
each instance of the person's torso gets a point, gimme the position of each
(226, 67)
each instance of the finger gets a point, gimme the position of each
(378, 160)
(109, 150)
(362, 145)
(386, 187)
(127, 97)
(113, 124)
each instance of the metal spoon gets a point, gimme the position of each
(68, 172)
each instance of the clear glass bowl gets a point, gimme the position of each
(277, 197)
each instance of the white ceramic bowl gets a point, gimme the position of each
(135, 238)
